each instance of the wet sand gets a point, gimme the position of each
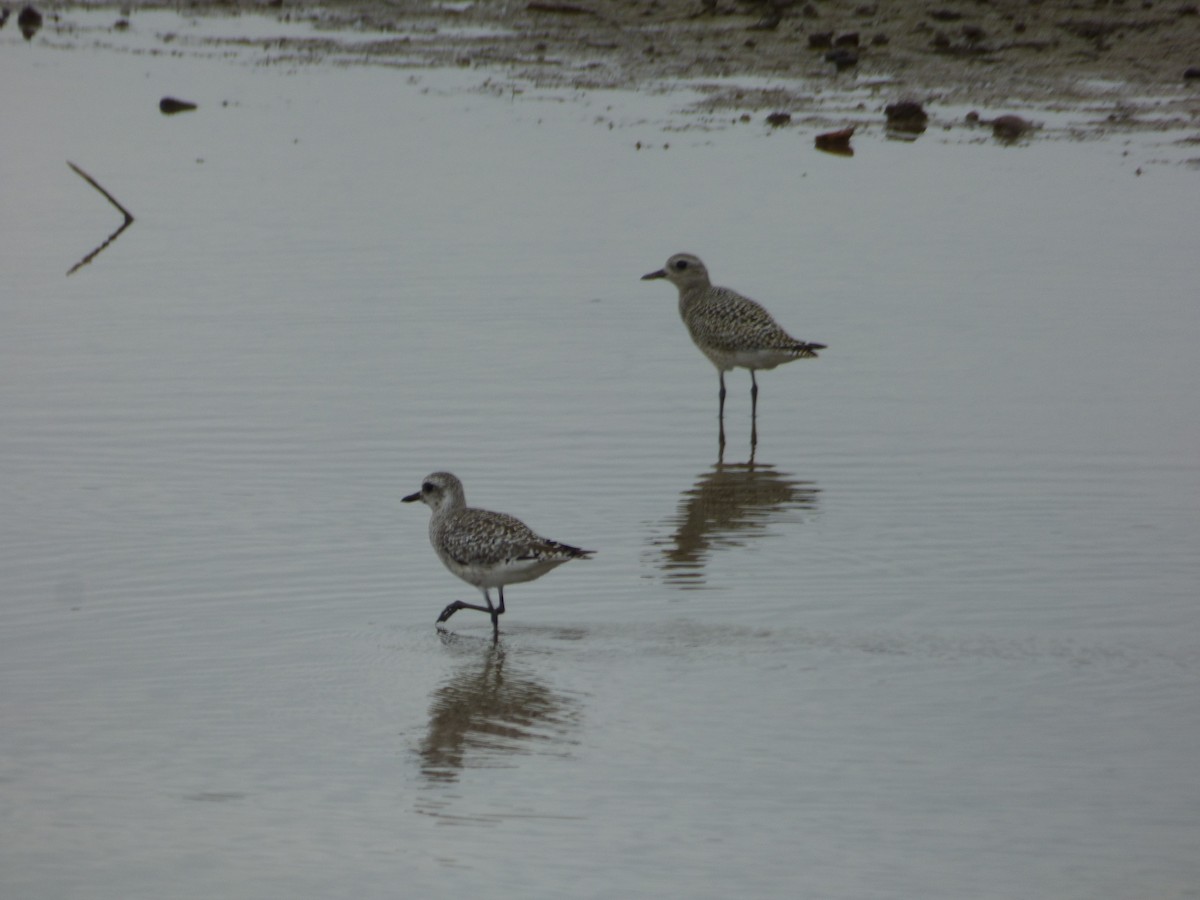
(962, 50)
(1053, 54)
(1137, 62)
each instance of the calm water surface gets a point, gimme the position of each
(938, 638)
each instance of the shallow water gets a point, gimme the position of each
(938, 640)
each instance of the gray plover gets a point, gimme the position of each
(731, 330)
(484, 548)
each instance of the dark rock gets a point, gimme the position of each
(168, 106)
(836, 142)
(849, 39)
(1006, 128)
(906, 117)
(1010, 128)
(779, 119)
(906, 111)
(29, 20)
(842, 58)
(820, 40)
(1192, 73)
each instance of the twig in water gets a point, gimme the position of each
(111, 199)
(94, 183)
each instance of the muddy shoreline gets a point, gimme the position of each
(1136, 63)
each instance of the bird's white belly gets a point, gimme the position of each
(747, 359)
(512, 571)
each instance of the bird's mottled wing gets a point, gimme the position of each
(481, 537)
(724, 320)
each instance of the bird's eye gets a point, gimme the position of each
(428, 487)
(680, 265)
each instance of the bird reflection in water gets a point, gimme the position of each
(490, 710)
(729, 505)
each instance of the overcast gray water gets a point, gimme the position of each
(938, 640)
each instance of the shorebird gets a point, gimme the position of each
(484, 548)
(731, 330)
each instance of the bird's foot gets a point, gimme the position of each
(449, 611)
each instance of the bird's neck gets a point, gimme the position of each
(689, 296)
(443, 512)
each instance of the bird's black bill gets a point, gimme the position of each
(411, 497)
(661, 273)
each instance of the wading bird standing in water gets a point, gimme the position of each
(731, 330)
(484, 548)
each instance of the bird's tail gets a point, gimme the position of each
(806, 351)
(573, 552)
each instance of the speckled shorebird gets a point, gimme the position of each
(484, 548)
(731, 330)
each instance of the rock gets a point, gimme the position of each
(1192, 73)
(820, 40)
(837, 142)
(906, 119)
(842, 58)
(168, 106)
(1009, 128)
(850, 39)
(29, 20)
(779, 119)
(906, 111)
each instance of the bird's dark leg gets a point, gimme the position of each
(496, 614)
(721, 410)
(461, 604)
(753, 410)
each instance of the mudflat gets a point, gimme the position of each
(1134, 63)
